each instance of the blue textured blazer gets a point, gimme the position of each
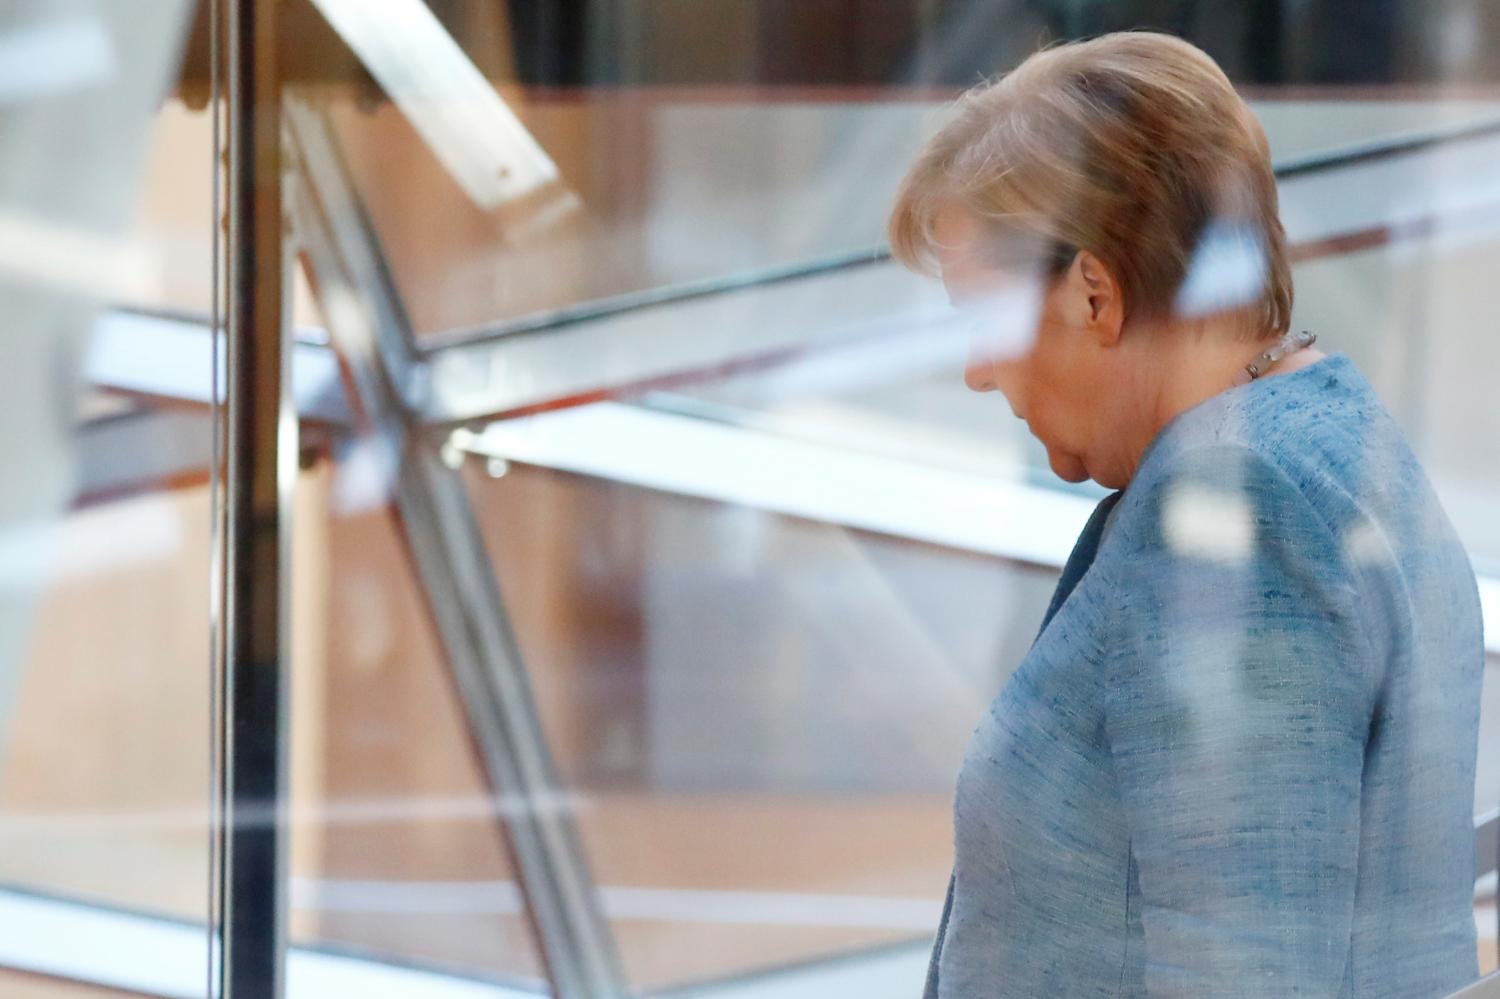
(1238, 760)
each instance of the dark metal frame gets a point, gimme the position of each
(260, 437)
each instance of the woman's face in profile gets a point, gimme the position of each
(1027, 344)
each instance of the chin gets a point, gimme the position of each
(1110, 482)
(1068, 468)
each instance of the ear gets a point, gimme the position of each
(1101, 307)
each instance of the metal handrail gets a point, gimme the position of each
(617, 305)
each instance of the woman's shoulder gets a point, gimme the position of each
(1219, 542)
(1304, 446)
(1224, 501)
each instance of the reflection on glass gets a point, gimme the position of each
(397, 845)
(105, 517)
(767, 560)
(93, 809)
(672, 195)
(764, 595)
(716, 679)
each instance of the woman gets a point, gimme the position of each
(1238, 760)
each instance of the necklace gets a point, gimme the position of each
(1289, 344)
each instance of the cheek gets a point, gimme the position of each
(1010, 379)
(1039, 381)
(1069, 410)
(1064, 396)
(1060, 407)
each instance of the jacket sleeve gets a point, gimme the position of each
(1240, 689)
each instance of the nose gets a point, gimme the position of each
(984, 373)
(979, 378)
(979, 368)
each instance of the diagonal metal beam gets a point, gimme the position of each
(370, 332)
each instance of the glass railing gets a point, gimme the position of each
(746, 532)
(651, 564)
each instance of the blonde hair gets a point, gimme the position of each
(1128, 146)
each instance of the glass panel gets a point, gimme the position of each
(703, 190)
(719, 680)
(740, 170)
(672, 194)
(766, 560)
(94, 809)
(106, 509)
(397, 850)
(174, 212)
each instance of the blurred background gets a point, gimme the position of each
(695, 465)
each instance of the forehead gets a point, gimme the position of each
(955, 234)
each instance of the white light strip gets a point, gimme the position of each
(319, 975)
(696, 457)
(897, 973)
(173, 358)
(770, 908)
(447, 100)
(102, 946)
(1489, 602)
(685, 455)
(159, 957)
(1484, 922)
(673, 905)
(156, 957)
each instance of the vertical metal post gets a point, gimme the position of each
(260, 461)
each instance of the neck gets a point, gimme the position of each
(1193, 365)
(1184, 364)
